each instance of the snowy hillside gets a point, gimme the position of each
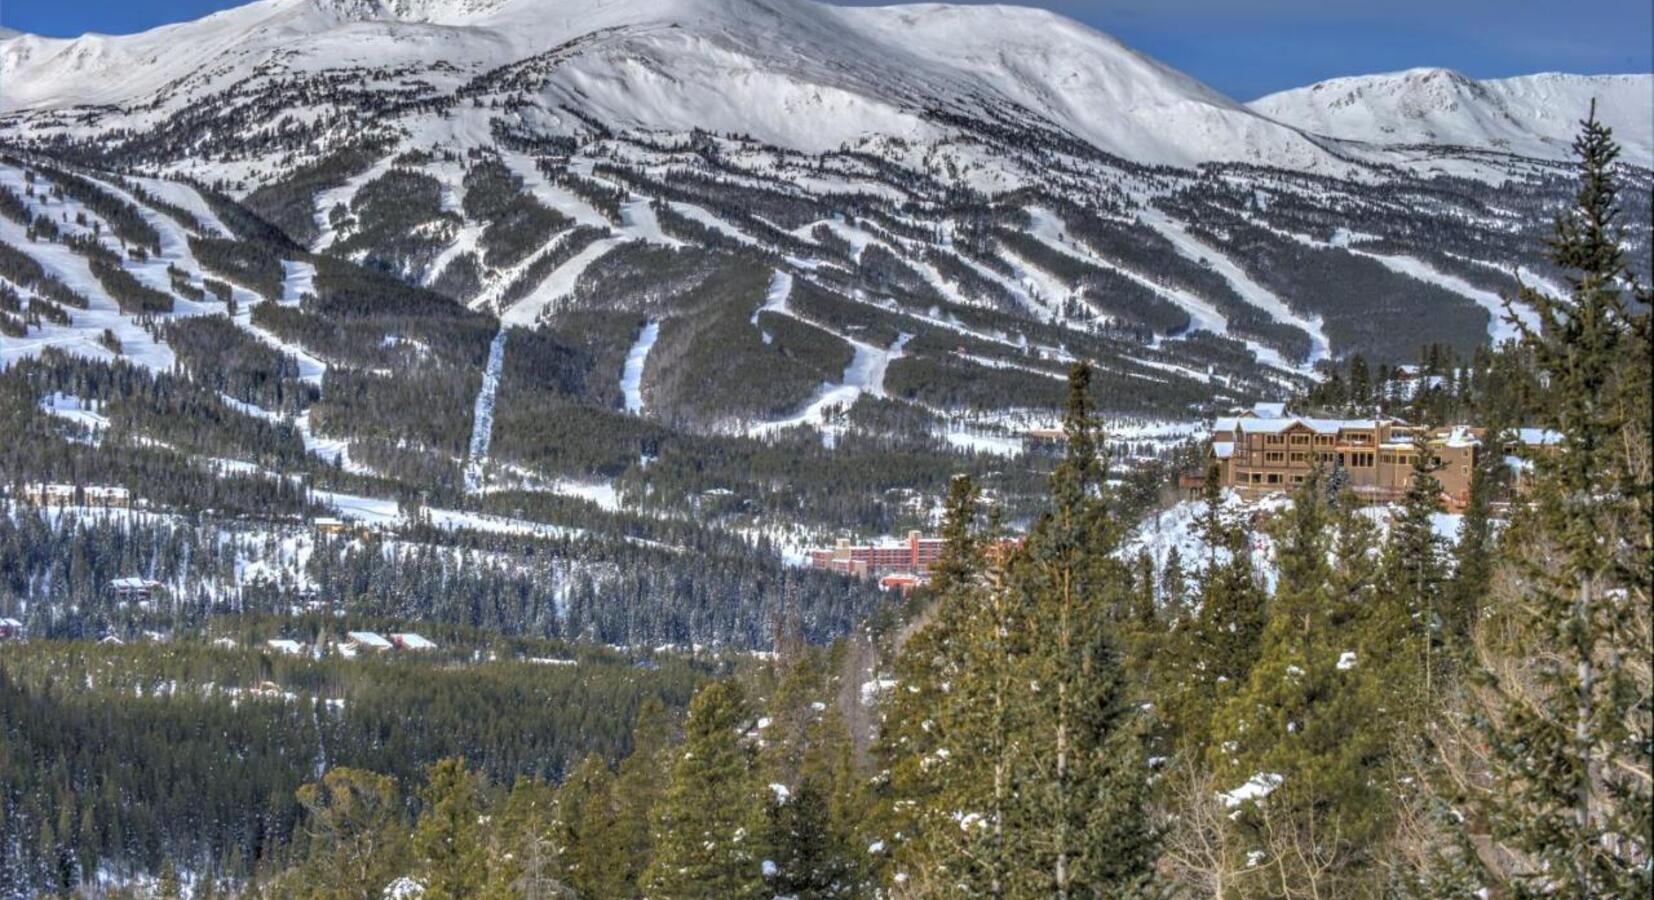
(791, 72)
(1532, 115)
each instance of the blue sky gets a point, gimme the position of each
(1245, 48)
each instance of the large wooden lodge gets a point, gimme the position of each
(1263, 451)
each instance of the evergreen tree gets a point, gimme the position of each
(447, 839)
(640, 782)
(167, 886)
(1566, 700)
(523, 862)
(356, 839)
(809, 859)
(1409, 620)
(1472, 552)
(925, 667)
(1300, 748)
(583, 829)
(710, 822)
(1076, 823)
(1174, 584)
(1217, 642)
(1361, 388)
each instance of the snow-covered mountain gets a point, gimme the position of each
(919, 214)
(1531, 115)
(794, 73)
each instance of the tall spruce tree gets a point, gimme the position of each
(1566, 700)
(814, 830)
(1076, 821)
(1301, 746)
(522, 858)
(448, 843)
(1217, 641)
(640, 782)
(709, 824)
(949, 737)
(1473, 550)
(583, 829)
(1409, 615)
(927, 662)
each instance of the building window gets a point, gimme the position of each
(1361, 460)
(1276, 440)
(1274, 456)
(1300, 457)
(1274, 478)
(1300, 440)
(1324, 440)
(1257, 478)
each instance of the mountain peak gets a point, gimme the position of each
(1529, 115)
(796, 73)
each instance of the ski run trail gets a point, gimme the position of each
(631, 375)
(482, 417)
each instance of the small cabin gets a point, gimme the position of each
(135, 588)
(329, 526)
(357, 641)
(108, 496)
(283, 645)
(10, 630)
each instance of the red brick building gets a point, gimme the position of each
(912, 556)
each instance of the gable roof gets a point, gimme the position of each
(1256, 425)
(413, 641)
(367, 639)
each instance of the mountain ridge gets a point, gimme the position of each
(1532, 115)
(894, 63)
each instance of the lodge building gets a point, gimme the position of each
(912, 556)
(1257, 454)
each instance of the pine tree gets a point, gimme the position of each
(640, 782)
(447, 840)
(1143, 632)
(1215, 646)
(582, 828)
(1567, 702)
(1174, 583)
(924, 667)
(356, 839)
(808, 859)
(1076, 823)
(1472, 552)
(1300, 748)
(167, 886)
(523, 862)
(1409, 619)
(946, 744)
(1361, 388)
(709, 823)
(961, 556)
